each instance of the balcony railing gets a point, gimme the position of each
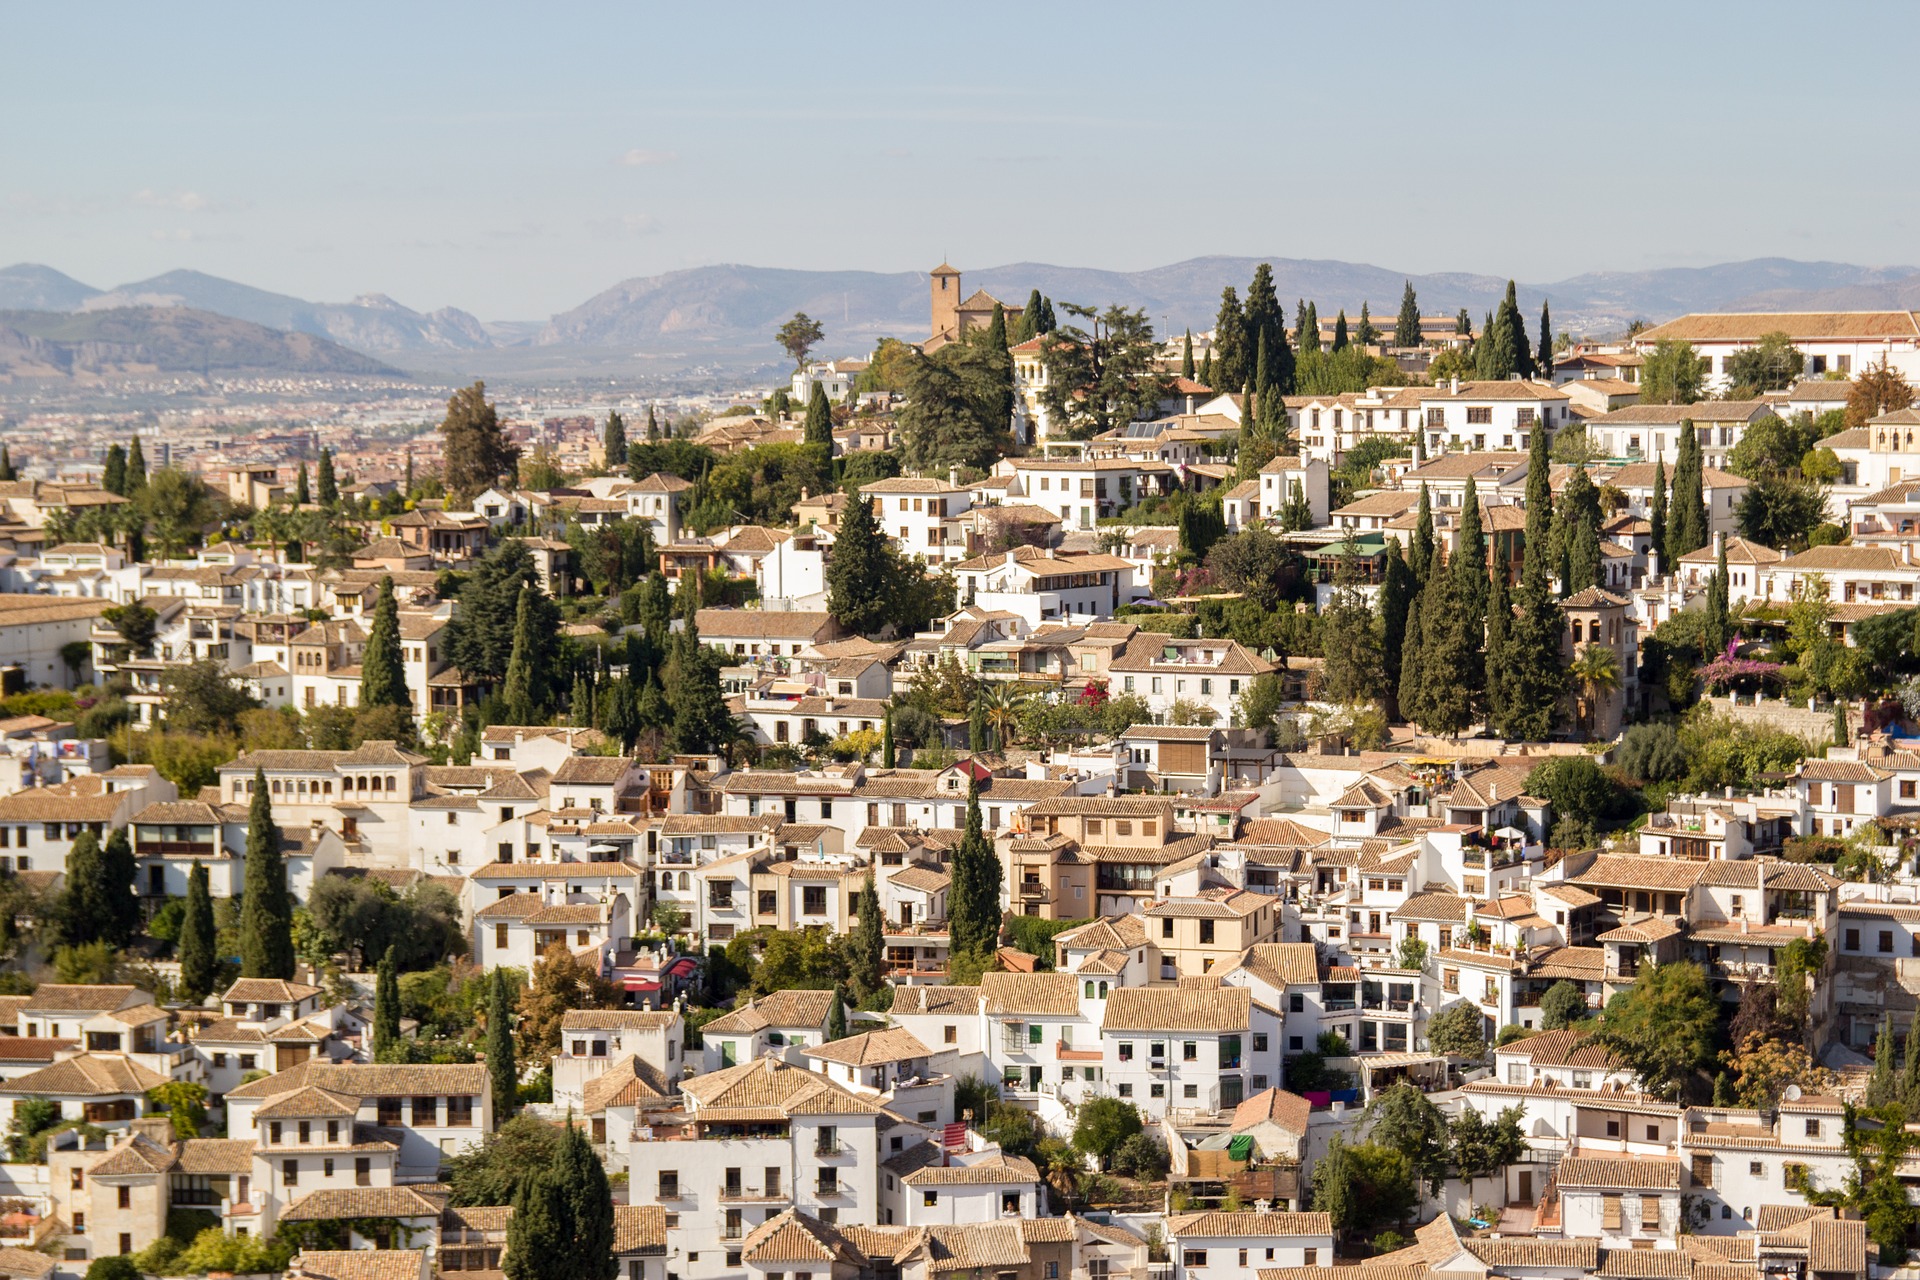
(829, 1147)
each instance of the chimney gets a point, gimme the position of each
(953, 476)
(1719, 544)
(1453, 385)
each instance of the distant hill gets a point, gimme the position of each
(130, 341)
(28, 286)
(1902, 294)
(739, 307)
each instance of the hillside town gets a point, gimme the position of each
(1394, 795)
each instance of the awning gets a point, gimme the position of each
(641, 984)
(681, 968)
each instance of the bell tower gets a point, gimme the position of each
(943, 288)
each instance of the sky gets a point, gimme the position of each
(515, 160)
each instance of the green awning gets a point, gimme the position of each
(1241, 1148)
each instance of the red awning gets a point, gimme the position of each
(642, 984)
(681, 968)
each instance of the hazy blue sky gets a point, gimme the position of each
(513, 160)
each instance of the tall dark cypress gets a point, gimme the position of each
(383, 674)
(1186, 357)
(1411, 692)
(1499, 621)
(386, 1005)
(1029, 327)
(136, 468)
(1396, 596)
(266, 911)
(1543, 358)
(502, 1071)
(819, 422)
(614, 441)
(1422, 551)
(1340, 330)
(1657, 520)
(974, 897)
(302, 495)
(1406, 327)
(119, 900)
(199, 963)
(1470, 585)
(1522, 351)
(1307, 332)
(1265, 319)
(589, 1253)
(327, 487)
(113, 472)
(1529, 673)
(7, 473)
(999, 366)
(1687, 509)
(1230, 354)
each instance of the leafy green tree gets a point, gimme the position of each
(1772, 364)
(1652, 753)
(1574, 786)
(1478, 1147)
(1400, 1117)
(1102, 374)
(502, 1069)
(1458, 1032)
(1406, 328)
(798, 337)
(1102, 1125)
(1662, 1027)
(1877, 389)
(1563, 1005)
(959, 406)
(482, 631)
(1365, 334)
(614, 441)
(266, 914)
(327, 484)
(178, 508)
(1365, 1187)
(199, 958)
(1353, 669)
(1781, 512)
(383, 674)
(1672, 373)
(185, 1104)
(475, 454)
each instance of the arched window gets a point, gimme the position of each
(1089, 990)
(276, 786)
(666, 880)
(1103, 991)
(683, 881)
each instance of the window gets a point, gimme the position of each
(1193, 1257)
(669, 1185)
(1035, 1034)
(1190, 1051)
(125, 1199)
(1312, 1257)
(813, 900)
(425, 1111)
(928, 1199)
(289, 1173)
(362, 1171)
(1610, 1213)
(273, 1132)
(460, 1111)
(1853, 940)
(1126, 1090)
(1813, 1128)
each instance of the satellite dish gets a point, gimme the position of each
(1791, 1093)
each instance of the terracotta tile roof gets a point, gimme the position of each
(1645, 1174)
(369, 1080)
(362, 1202)
(67, 997)
(137, 1154)
(1751, 326)
(1178, 1009)
(1442, 906)
(1277, 1106)
(1837, 1245)
(1581, 964)
(215, 1155)
(309, 1102)
(992, 1244)
(1632, 871)
(1115, 932)
(1283, 963)
(794, 1236)
(867, 1048)
(358, 1264)
(268, 991)
(627, 1082)
(639, 1228)
(1563, 1048)
(1646, 929)
(89, 1075)
(963, 1001)
(1001, 1171)
(1017, 994)
(1572, 1255)
(1249, 1224)
(771, 1086)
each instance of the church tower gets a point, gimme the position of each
(943, 288)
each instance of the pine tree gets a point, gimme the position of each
(1406, 328)
(136, 468)
(1543, 358)
(1186, 357)
(199, 965)
(973, 899)
(1340, 330)
(120, 914)
(523, 689)
(1411, 689)
(386, 1005)
(1230, 355)
(837, 1015)
(266, 913)
(1422, 550)
(1396, 596)
(328, 487)
(1687, 509)
(383, 674)
(867, 944)
(819, 421)
(113, 473)
(615, 441)
(501, 1068)
(887, 753)
(302, 496)
(475, 452)
(1657, 514)
(863, 581)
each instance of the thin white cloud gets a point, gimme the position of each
(178, 201)
(626, 226)
(643, 156)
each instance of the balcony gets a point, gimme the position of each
(830, 1147)
(1035, 892)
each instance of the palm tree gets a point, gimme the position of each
(1596, 675)
(1002, 702)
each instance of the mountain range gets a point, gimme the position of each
(725, 315)
(132, 341)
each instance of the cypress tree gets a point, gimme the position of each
(979, 734)
(1047, 323)
(383, 675)
(1719, 608)
(1186, 357)
(1910, 1070)
(616, 714)
(1262, 369)
(1411, 691)
(1230, 338)
(324, 482)
(1586, 566)
(407, 490)
(199, 965)
(588, 1250)
(973, 901)
(1463, 324)
(1340, 331)
(502, 1070)
(1543, 359)
(1206, 369)
(136, 468)
(1493, 354)
(887, 754)
(999, 364)
(1423, 545)
(862, 581)
(386, 1005)
(7, 473)
(1447, 650)
(1307, 332)
(1030, 318)
(1406, 327)
(119, 900)
(1566, 567)
(615, 441)
(1521, 352)
(266, 913)
(1469, 571)
(1723, 1094)
(1366, 335)
(1657, 513)
(1539, 505)
(84, 910)
(1396, 595)
(1529, 674)
(301, 495)
(1499, 620)
(650, 704)
(867, 945)
(1881, 1084)
(113, 473)
(1266, 320)
(653, 426)
(580, 702)
(539, 1232)
(819, 421)
(656, 611)
(522, 690)
(837, 1015)
(1687, 509)
(700, 715)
